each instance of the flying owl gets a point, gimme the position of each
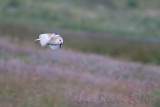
(52, 40)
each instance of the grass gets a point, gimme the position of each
(22, 19)
(81, 15)
(28, 84)
(125, 48)
(34, 77)
(57, 78)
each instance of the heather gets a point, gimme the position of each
(32, 76)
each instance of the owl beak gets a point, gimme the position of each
(60, 45)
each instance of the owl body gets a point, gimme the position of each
(50, 39)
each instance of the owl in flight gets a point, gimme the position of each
(52, 40)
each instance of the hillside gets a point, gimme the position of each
(32, 76)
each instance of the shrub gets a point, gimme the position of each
(13, 3)
(132, 3)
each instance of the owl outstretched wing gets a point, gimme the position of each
(44, 39)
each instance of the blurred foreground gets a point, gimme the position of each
(35, 77)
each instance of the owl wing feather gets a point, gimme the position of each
(44, 39)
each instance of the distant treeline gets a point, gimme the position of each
(106, 3)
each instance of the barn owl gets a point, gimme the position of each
(52, 40)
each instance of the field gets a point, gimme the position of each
(145, 50)
(110, 56)
(35, 77)
(105, 27)
(113, 17)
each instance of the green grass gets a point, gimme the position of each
(84, 15)
(128, 48)
(26, 19)
(123, 48)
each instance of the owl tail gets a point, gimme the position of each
(37, 40)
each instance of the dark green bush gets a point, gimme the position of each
(13, 3)
(132, 3)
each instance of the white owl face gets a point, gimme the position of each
(58, 41)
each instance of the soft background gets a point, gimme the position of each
(111, 48)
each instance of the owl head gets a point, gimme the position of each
(58, 40)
